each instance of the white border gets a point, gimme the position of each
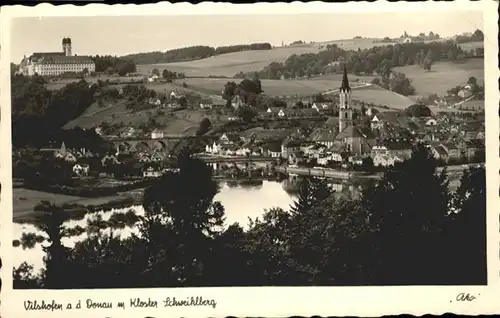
(266, 301)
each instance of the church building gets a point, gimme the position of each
(351, 139)
(56, 63)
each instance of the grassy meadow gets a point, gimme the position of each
(178, 122)
(443, 75)
(380, 96)
(249, 61)
(60, 83)
(303, 87)
(270, 87)
(24, 200)
(231, 63)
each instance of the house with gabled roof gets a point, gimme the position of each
(371, 111)
(272, 149)
(152, 170)
(236, 102)
(473, 147)
(439, 152)
(324, 136)
(81, 169)
(289, 146)
(452, 150)
(206, 103)
(323, 108)
(385, 160)
(229, 138)
(382, 118)
(399, 147)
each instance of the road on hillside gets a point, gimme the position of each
(333, 91)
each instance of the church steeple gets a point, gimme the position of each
(63, 149)
(345, 83)
(345, 109)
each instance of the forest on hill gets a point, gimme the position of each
(113, 65)
(38, 114)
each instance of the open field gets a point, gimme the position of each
(443, 75)
(379, 96)
(338, 78)
(270, 87)
(231, 63)
(249, 61)
(94, 115)
(53, 85)
(371, 94)
(24, 200)
(304, 87)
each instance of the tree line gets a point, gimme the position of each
(168, 75)
(477, 36)
(192, 53)
(113, 65)
(406, 230)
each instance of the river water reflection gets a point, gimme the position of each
(241, 201)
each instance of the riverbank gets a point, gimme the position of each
(357, 175)
(329, 173)
(25, 200)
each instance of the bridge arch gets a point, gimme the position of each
(142, 146)
(123, 146)
(159, 145)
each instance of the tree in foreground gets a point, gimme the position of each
(180, 224)
(407, 212)
(467, 252)
(49, 219)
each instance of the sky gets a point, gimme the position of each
(121, 35)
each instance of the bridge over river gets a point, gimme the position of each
(166, 143)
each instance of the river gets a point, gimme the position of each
(240, 203)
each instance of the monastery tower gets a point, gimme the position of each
(66, 45)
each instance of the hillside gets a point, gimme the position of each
(231, 63)
(443, 75)
(380, 96)
(301, 87)
(191, 53)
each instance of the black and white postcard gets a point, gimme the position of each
(267, 160)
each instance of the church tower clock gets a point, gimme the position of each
(345, 109)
